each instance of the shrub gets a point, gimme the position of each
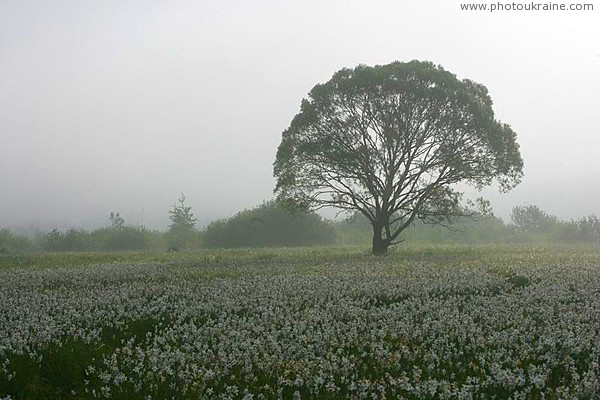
(13, 243)
(269, 225)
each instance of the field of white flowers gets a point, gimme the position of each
(460, 323)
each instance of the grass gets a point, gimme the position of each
(415, 252)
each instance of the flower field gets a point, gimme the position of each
(436, 322)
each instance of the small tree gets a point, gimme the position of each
(116, 221)
(531, 218)
(183, 224)
(390, 142)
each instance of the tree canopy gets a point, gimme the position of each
(530, 218)
(390, 142)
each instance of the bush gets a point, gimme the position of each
(12, 243)
(71, 240)
(358, 231)
(586, 230)
(119, 239)
(105, 239)
(269, 225)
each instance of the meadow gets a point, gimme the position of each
(425, 321)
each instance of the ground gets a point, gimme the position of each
(422, 322)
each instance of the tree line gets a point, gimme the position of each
(527, 224)
(267, 225)
(272, 225)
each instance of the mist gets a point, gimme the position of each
(124, 105)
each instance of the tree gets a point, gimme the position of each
(183, 224)
(116, 221)
(390, 142)
(531, 218)
(588, 229)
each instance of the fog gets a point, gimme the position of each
(123, 105)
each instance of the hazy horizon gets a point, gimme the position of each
(123, 105)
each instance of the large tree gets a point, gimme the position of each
(391, 142)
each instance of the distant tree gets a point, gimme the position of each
(587, 229)
(70, 240)
(13, 243)
(390, 142)
(116, 221)
(530, 218)
(183, 224)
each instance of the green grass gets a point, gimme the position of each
(431, 253)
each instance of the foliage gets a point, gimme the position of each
(116, 237)
(357, 230)
(116, 221)
(182, 230)
(104, 239)
(586, 230)
(245, 230)
(12, 243)
(71, 240)
(530, 218)
(389, 141)
(536, 227)
(269, 225)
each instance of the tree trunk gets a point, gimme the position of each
(380, 245)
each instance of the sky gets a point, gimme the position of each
(124, 105)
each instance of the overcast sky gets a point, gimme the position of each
(123, 105)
